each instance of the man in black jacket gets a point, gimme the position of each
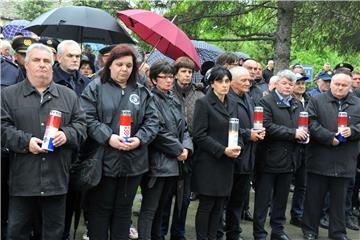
(276, 156)
(244, 165)
(38, 178)
(66, 72)
(331, 160)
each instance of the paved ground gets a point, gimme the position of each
(293, 232)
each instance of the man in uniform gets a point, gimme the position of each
(12, 73)
(323, 83)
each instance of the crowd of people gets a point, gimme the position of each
(177, 146)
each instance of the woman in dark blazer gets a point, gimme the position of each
(214, 161)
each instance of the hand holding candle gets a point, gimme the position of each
(343, 130)
(233, 132)
(303, 124)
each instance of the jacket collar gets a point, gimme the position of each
(240, 100)
(346, 101)
(218, 105)
(64, 76)
(280, 104)
(29, 89)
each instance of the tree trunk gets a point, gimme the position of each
(283, 34)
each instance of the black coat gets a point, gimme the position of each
(324, 159)
(279, 152)
(79, 81)
(212, 170)
(23, 116)
(102, 103)
(244, 164)
(172, 138)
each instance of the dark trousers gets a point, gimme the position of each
(108, 207)
(297, 205)
(274, 188)
(179, 217)
(208, 216)
(355, 196)
(235, 206)
(73, 205)
(348, 202)
(317, 188)
(153, 202)
(23, 209)
(4, 191)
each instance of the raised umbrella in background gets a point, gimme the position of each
(160, 33)
(206, 52)
(81, 24)
(15, 26)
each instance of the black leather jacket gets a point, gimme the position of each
(173, 137)
(102, 103)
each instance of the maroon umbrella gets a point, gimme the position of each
(160, 33)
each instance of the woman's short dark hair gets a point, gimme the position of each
(217, 73)
(91, 65)
(121, 50)
(184, 62)
(227, 58)
(160, 67)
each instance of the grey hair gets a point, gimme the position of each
(237, 71)
(41, 47)
(60, 47)
(344, 74)
(288, 74)
(5, 43)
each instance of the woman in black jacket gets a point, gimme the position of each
(214, 161)
(167, 153)
(125, 160)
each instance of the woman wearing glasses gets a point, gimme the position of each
(167, 153)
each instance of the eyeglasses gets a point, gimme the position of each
(165, 76)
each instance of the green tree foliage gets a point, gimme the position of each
(322, 31)
(30, 9)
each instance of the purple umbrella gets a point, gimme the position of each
(15, 26)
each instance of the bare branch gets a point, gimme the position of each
(235, 39)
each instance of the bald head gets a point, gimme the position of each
(251, 66)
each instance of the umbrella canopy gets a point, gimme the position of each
(160, 33)
(82, 24)
(206, 52)
(16, 26)
(243, 55)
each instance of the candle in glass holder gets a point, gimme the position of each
(258, 118)
(342, 123)
(125, 125)
(233, 132)
(303, 123)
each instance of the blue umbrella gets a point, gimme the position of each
(206, 52)
(15, 26)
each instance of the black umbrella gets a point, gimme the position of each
(81, 24)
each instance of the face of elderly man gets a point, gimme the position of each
(241, 82)
(285, 87)
(39, 67)
(251, 66)
(340, 85)
(69, 59)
